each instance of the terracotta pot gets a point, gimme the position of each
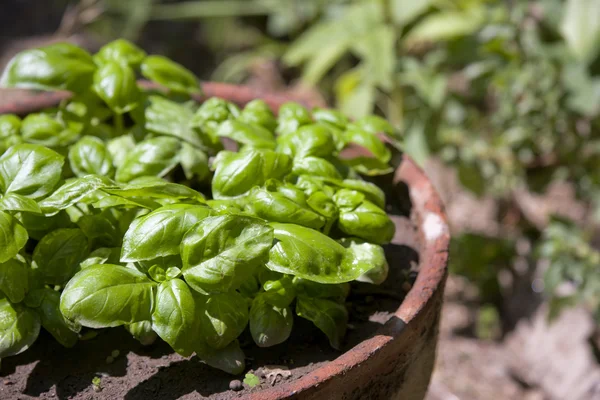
(397, 361)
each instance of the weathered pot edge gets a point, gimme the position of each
(421, 306)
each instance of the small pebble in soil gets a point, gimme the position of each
(115, 353)
(406, 286)
(236, 385)
(109, 360)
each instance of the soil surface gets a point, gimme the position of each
(49, 371)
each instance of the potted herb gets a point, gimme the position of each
(207, 226)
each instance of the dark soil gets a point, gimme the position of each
(49, 371)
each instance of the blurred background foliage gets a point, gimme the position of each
(506, 93)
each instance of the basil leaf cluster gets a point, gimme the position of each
(104, 225)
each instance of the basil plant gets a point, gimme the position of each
(103, 223)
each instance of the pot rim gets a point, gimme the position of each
(431, 221)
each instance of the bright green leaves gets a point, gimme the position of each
(14, 279)
(16, 202)
(371, 255)
(309, 254)
(329, 316)
(291, 117)
(224, 317)
(361, 218)
(168, 118)
(57, 256)
(30, 170)
(159, 233)
(237, 173)
(90, 156)
(13, 236)
(247, 135)
(151, 157)
(43, 129)
(309, 140)
(125, 235)
(170, 74)
(10, 125)
(46, 303)
(58, 66)
(115, 84)
(174, 317)
(19, 328)
(221, 252)
(269, 325)
(70, 193)
(276, 206)
(122, 52)
(107, 295)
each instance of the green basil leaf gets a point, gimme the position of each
(315, 166)
(311, 255)
(279, 292)
(19, 328)
(269, 325)
(369, 254)
(51, 318)
(119, 148)
(12, 238)
(90, 156)
(363, 219)
(152, 157)
(166, 117)
(58, 254)
(142, 332)
(369, 141)
(155, 188)
(16, 202)
(170, 74)
(257, 112)
(174, 316)
(369, 166)
(309, 140)
(10, 125)
(73, 191)
(237, 173)
(333, 117)
(224, 317)
(120, 51)
(160, 232)
(372, 192)
(115, 84)
(229, 359)
(276, 207)
(330, 317)
(107, 295)
(221, 252)
(42, 129)
(30, 170)
(290, 117)
(59, 66)
(247, 135)
(157, 273)
(14, 279)
(194, 162)
(214, 111)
